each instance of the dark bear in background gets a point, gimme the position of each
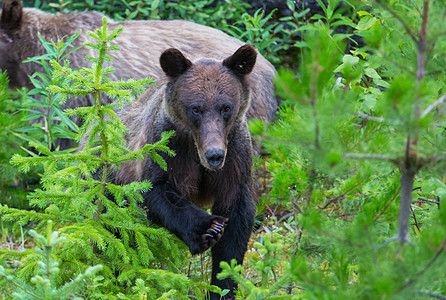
(141, 43)
(205, 102)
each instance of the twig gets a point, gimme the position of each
(202, 265)
(369, 156)
(294, 287)
(270, 210)
(370, 118)
(415, 219)
(22, 247)
(335, 199)
(438, 296)
(377, 119)
(286, 216)
(385, 243)
(434, 72)
(274, 274)
(426, 201)
(25, 290)
(440, 124)
(433, 105)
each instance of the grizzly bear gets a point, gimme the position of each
(205, 98)
(205, 103)
(141, 44)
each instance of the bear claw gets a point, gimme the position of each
(214, 233)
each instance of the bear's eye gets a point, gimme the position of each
(226, 109)
(195, 110)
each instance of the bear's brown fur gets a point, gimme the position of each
(205, 103)
(141, 43)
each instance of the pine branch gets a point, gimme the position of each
(370, 156)
(432, 295)
(433, 106)
(377, 119)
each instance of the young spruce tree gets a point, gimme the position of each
(44, 283)
(101, 222)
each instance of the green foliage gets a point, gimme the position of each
(101, 222)
(355, 127)
(44, 281)
(256, 30)
(13, 185)
(209, 12)
(265, 266)
(6, 122)
(44, 107)
(362, 111)
(229, 16)
(165, 285)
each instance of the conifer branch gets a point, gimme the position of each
(376, 119)
(370, 156)
(432, 295)
(433, 106)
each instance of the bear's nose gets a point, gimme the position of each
(215, 157)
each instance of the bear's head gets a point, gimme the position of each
(207, 99)
(10, 22)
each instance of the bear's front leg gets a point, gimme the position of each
(195, 227)
(234, 242)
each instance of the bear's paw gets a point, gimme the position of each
(208, 233)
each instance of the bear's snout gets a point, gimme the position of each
(215, 157)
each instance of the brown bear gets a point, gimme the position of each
(141, 43)
(205, 103)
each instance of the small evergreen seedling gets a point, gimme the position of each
(44, 282)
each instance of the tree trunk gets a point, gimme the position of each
(406, 179)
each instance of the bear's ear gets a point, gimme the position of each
(174, 63)
(242, 61)
(12, 11)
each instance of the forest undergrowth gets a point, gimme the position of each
(352, 177)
